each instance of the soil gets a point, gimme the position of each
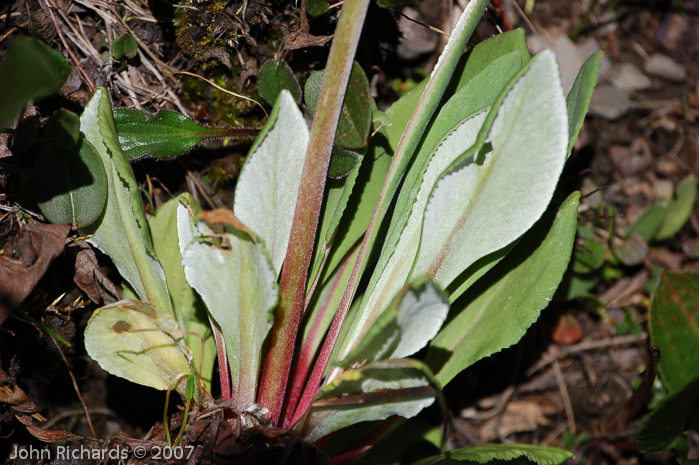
(568, 382)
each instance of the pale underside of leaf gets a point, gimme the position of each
(406, 326)
(397, 271)
(239, 289)
(478, 209)
(266, 193)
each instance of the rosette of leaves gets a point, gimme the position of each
(468, 245)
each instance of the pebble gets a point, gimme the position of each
(665, 67)
(609, 102)
(627, 76)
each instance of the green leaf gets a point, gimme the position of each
(338, 192)
(677, 412)
(648, 224)
(406, 326)
(265, 196)
(357, 213)
(476, 209)
(136, 341)
(496, 312)
(240, 292)
(578, 99)
(124, 46)
(188, 307)
(63, 128)
(373, 392)
(589, 256)
(576, 285)
(70, 184)
(674, 327)
(317, 7)
(274, 76)
(122, 230)
(679, 208)
(487, 52)
(343, 162)
(30, 70)
(497, 453)
(164, 135)
(355, 117)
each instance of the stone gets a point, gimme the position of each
(609, 102)
(665, 67)
(627, 76)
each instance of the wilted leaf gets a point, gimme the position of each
(233, 276)
(22, 267)
(139, 342)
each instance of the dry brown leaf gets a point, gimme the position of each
(25, 261)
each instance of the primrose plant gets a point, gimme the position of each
(365, 262)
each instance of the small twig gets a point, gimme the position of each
(525, 17)
(416, 21)
(586, 346)
(73, 57)
(8, 34)
(77, 389)
(563, 389)
(500, 407)
(557, 431)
